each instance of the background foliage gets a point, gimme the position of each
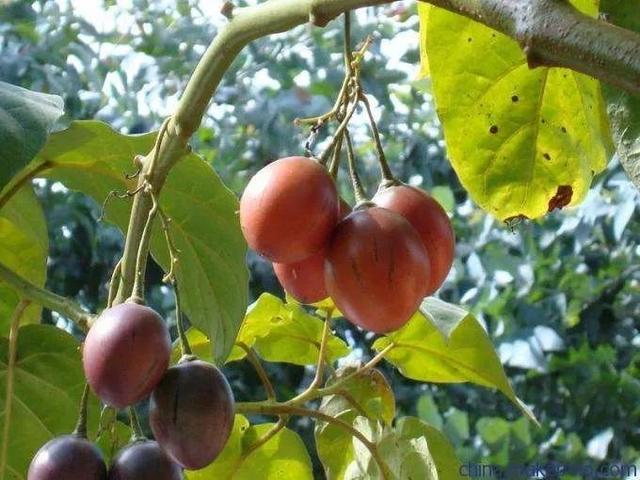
(558, 297)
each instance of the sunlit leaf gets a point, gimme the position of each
(283, 457)
(285, 332)
(422, 353)
(523, 141)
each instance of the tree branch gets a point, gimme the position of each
(551, 32)
(47, 299)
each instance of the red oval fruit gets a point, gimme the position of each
(304, 280)
(125, 354)
(144, 460)
(191, 413)
(376, 269)
(69, 457)
(431, 222)
(288, 209)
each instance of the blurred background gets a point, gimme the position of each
(560, 297)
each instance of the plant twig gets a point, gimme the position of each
(257, 365)
(11, 366)
(358, 189)
(273, 431)
(136, 429)
(114, 283)
(387, 175)
(41, 296)
(319, 375)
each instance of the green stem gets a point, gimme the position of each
(114, 283)
(358, 190)
(317, 379)
(137, 433)
(182, 335)
(137, 293)
(257, 365)
(81, 426)
(339, 132)
(11, 366)
(387, 175)
(41, 296)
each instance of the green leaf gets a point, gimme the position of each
(48, 383)
(25, 120)
(442, 452)
(285, 332)
(24, 246)
(428, 411)
(212, 274)
(522, 141)
(283, 457)
(420, 352)
(622, 107)
(445, 316)
(370, 396)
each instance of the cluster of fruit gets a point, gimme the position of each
(126, 357)
(377, 263)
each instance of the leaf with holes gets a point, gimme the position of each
(24, 246)
(283, 457)
(48, 372)
(523, 142)
(285, 332)
(212, 276)
(26, 118)
(421, 352)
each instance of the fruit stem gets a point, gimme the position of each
(317, 379)
(137, 295)
(184, 341)
(339, 131)
(273, 431)
(356, 183)
(81, 426)
(114, 284)
(382, 159)
(11, 364)
(134, 421)
(255, 362)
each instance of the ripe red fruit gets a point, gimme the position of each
(430, 221)
(191, 413)
(304, 280)
(70, 457)
(288, 209)
(144, 460)
(376, 269)
(125, 354)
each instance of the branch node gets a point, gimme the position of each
(227, 9)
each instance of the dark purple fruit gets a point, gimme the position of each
(69, 457)
(125, 354)
(191, 413)
(144, 460)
